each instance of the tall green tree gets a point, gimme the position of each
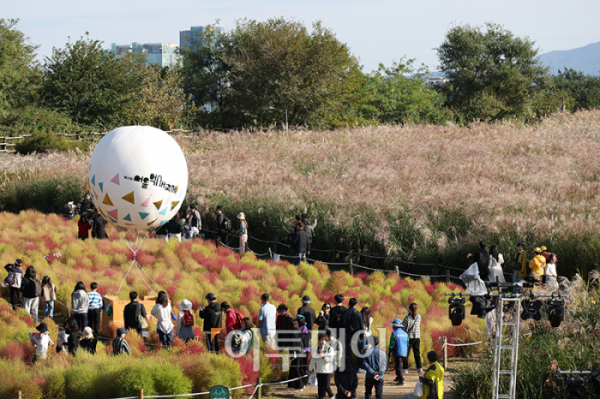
(281, 64)
(399, 94)
(93, 86)
(492, 73)
(19, 73)
(205, 77)
(582, 88)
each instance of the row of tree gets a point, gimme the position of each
(251, 75)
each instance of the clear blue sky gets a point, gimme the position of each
(376, 31)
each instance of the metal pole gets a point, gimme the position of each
(445, 353)
(286, 122)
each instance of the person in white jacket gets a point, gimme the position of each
(496, 261)
(323, 362)
(80, 303)
(164, 327)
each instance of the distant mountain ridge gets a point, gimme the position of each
(585, 59)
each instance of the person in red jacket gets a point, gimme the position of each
(230, 318)
(84, 225)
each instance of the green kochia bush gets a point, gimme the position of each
(44, 195)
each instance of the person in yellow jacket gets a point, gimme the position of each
(537, 265)
(520, 275)
(433, 380)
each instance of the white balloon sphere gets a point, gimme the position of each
(138, 177)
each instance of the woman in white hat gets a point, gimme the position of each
(185, 321)
(242, 231)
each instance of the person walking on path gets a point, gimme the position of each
(14, 280)
(94, 309)
(496, 262)
(335, 315)
(298, 357)
(185, 321)
(242, 231)
(72, 334)
(266, 321)
(352, 322)
(119, 344)
(399, 348)
(283, 325)
(48, 296)
(300, 244)
(412, 326)
(131, 313)
(346, 381)
(323, 363)
(193, 222)
(162, 311)
(308, 313)
(482, 258)
(375, 365)
(221, 225)
(520, 266)
(323, 319)
(233, 318)
(80, 302)
(32, 290)
(213, 319)
(99, 227)
(433, 380)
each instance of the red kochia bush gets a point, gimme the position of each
(248, 373)
(16, 350)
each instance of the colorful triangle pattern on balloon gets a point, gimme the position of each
(95, 195)
(151, 222)
(94, 180)
(116, 180)
(158, 204)
(90, 167)
(147, 201)
(114, 213)
(144, 215)
(112, 220)
(128, 217)
(129, 198)
(164, 211)
(129, 224)
(107, 200)
(174, 204)
(100, 184)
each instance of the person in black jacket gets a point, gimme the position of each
(15, 287)
(309, 313)
(99, 227)
(31, 289)
(346, 382)
(72, 330)
(221, 230)
(351, 322)
(86, 205)
(335, 315)
(300, 243)
(482, 257)
(213, 318)
(131, 312)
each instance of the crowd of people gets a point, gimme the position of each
(345, 346)
(540, 269)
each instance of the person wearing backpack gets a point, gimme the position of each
(185, 321)
(233, 318)
(132, 312)
(13, 280)
(32, 290)
(223, 225)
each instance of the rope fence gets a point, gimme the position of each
(351, 254)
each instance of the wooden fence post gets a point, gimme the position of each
(218, 242)
(246, 247)
(351, 268)
(447, 276)
(19, 395)
(259, 393)
(445, 353)
(141, 394)
(398, 271)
